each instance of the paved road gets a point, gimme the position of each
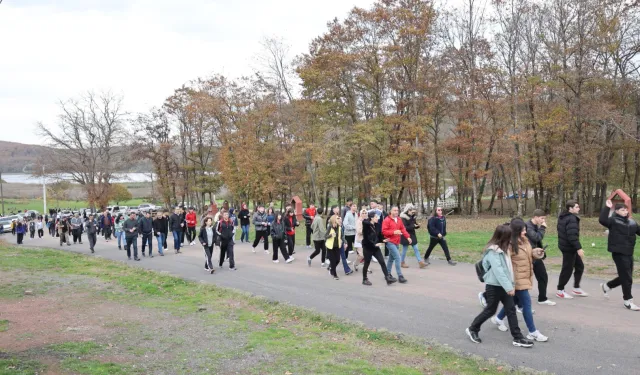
(587, 335)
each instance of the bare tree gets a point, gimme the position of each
(88, 143)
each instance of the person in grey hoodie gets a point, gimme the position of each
(500, 287)
(130, 228)
(261, 223)
(319, 231)
(349, 226)
(91, 226)
(76, 228)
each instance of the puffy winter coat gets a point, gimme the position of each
(389, 226)
(349, 224)
(410, 225)
(258, 219)
(319, 229)
(523, 265)
(569, 233)
(437, 225)
(622, 232)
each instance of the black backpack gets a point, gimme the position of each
(480, 271)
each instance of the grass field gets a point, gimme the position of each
(92, 316)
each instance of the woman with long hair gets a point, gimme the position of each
(207, 239)
(333, 242)
(357, 245)
(408, 217)
(290, 224)
(371, 240)
(118, 230)
(319, 230)
(499, 285)
(278, 237)
(522, 258)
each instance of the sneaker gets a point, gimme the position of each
(390, 280)
(290, 260)
(452, 262)
(547, 302)
(232, 269)
(563, 294)
(327, 262)
(499, 323)
(336, 278)
(349, 273)
(150, 256)
(144, 255)
(211, 271)
(522, 343)
(580, 293)
(473, 336)
(136, 259)
(631, 306)
(519, 310)
(402, 280)
(129, 258)
(323, 265)
(483, 301)
(309, 261)
(276, 261)
(427, 261)
(253, 249)
(308, 247)
(605, 290)
(267, 252)
(92, 251)
(537, 336)
(366, 282)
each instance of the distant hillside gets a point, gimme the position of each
(21, 158)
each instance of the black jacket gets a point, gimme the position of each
(203, 236)
(622, 232)
(183, 220)
(410, 225)
(535, 234)
(91, 226)
(225, 230)
(145, 225)
(174, 222)
(277, 230)
(287, 224)
(437, 225)
(245, 217)
(370, 235)
(161, 225)
(127, 226)
(569, 233)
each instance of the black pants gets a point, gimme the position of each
(208, 254)
(131, 241)
(495, 295)
(624, 265)
(20, 237)
(350, 240)
(32, 233)
(182, 233)
(375, 253)
(334, 259)
(147, 238)
(435, 241)
(291, 243)
(569, 262)
(309, 232)
(226, 248)
(92, 237)
(191, 234)
(261, 234)
(321, 248)
(278, 244)
(77, 235)
(40, 233)
(540, 271)
(164, 242)
(107, 232)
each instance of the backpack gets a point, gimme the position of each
(32, 226)
(480, 271)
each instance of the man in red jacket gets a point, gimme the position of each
(392, 229)
(309, 214)
(192, 220)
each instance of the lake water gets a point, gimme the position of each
(23, 178)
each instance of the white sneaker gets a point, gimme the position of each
(253, 249)
(631, 306)
(499, 323)
(192, 243)
(580, 293)
(537, 336)
(483, 301)
(605, 290)
(323, 265)
(519, 310)
(563, 294)
(291, 259)
(349, 262)
(547, 302)
(327, 262)
(276, 261)
(266, 252)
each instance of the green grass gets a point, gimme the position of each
(16, 366)
(292, 339)
(4, 325)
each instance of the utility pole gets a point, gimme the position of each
(44, 192)
(1, 193)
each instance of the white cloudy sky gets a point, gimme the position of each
(142, 49)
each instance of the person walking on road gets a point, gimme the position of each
(279, 239)
(191, 219)
(499, 287)
(319, 230)
(130, 228)
(621, 244)
(371, 242)
(260, 223)
(91, 226)
(408, 217)
(536, 228)
(63, 231)
(117, 226)
(349, 226)
(333, 243)
(207, 239)
(309, 214)
(437, 227)
(572, 253)
(21, 229)
(392, 230)
(225, 231)
(290, 224)
(76, 228)
(40, 228)
(357, 245)
(176, 225)
(160, 231)
(245, 219)
(146, 230)
(107, 225)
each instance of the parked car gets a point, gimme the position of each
(144, 207)
(6, 222)
(32, 213)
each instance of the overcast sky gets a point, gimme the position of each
(142, 49)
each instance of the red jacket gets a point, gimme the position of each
(191, 219)
(389, 226)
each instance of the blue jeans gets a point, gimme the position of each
(245, 233)
(394, 257)
(160, 238)
(522, 298)
(347, 269)
(120, 237)
(415, 250)
(176, 239)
